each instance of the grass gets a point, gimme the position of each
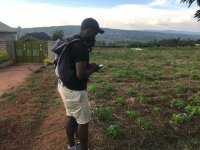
(9, 96)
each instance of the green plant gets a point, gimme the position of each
(9, 96)
(163, 98)
(144, 123)
(4, 56)
(143, 98)
(47, 62)
(156, 110)
(197, 99)
(40, 115)
(194, 76)
(104, 114)
(100, 95)
(179, 118)
(132, 115)
(193, 110)
(108, 87)
(26, 122)
(115, 77)
(96, 78)
(115, 132)
(130, 91)
(120, 102)
(52, 102)
(93, 89)
(58, 34)
(2, 119)
(180, 87)
(177, 103)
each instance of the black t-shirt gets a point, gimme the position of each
(78, 53)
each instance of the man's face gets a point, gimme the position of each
(89, 35)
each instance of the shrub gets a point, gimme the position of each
(93, 89)
(156, 109)
(108, 87)
(144, 124)
(143, 98)
(194, 76)
(180, 87)
(47, 62)
(120, 102)
(4, 56)
(179, 118)
(177, 103)
(130, 91)
(193, 110)
(104, 114)
(115, 131)
(132, 115)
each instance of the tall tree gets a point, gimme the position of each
(57, 34)
(197, 14)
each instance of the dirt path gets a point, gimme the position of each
(12, 76)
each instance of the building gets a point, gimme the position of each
(7, 37)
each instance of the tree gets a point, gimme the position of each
(197, 14)
(57, 34)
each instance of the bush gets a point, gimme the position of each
(132, 115)
(4, 56)
(179, 119)
(104, 114)
(177, 103)
(120, 102)
(47, 62)
(115, 131)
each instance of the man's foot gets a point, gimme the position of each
(75, 147)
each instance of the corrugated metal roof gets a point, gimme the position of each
(6, 28)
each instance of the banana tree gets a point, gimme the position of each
(190, 2)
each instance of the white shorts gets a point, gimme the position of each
(76, 104)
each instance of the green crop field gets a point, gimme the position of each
(147, 99)
(154, 95)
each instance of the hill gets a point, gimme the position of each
(114, 35)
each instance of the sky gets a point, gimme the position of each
(117, 14)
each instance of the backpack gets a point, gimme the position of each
(62, 60)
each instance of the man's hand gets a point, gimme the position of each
(82, 72)
(94, 67)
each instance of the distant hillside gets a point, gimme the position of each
(114, 35)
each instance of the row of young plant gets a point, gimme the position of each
(103, 89)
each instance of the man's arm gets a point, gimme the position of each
(82, 72)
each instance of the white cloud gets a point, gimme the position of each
(159, 2)
(122, 17)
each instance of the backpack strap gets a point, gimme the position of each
(59, 48)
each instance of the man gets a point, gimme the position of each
(73, 92)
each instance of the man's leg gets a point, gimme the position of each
(71, 126)
(83, 136)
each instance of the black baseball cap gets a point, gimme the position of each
(91, 24)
